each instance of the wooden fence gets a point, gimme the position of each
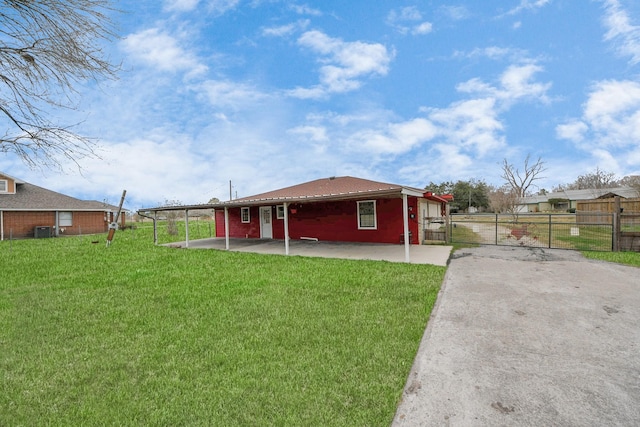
(608, 205)
(625, 216)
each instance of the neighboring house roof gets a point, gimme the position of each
(324, 189)
(29, 197)
(16, 180)
(590, 194)
(103, 206)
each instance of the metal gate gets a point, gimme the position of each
(582, 231)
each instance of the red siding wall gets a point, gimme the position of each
(330, 221)
(22, 224)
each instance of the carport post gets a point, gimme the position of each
(155, 227)
(286, 228)
(186, 224)
(405, 219)
(226, 227)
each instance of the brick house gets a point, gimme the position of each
(27, 210)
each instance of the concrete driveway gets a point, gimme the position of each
(528, 337)
(419, 254)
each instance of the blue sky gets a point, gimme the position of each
(270, 93)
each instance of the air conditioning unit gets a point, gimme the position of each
(42, 231)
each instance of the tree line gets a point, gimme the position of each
(475, 195)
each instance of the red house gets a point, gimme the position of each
(334, 209)
(27, 210)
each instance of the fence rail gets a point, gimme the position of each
(585, 231)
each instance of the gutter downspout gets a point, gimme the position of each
(405, 220)
(286, 228)
(226, 227)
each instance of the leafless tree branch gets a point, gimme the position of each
(47, 48)
(520, 182)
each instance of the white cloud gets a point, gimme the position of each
(396, 138)
(456, 13)
(466, 129)
(162, 51)
(345, 63)
(220, 7)
(573, 131)
(305, 10)
(527, 5)
(613, 112)
(621, 32)
(472, 125)
(286, 30)
(160, 166)
(314, 133)
(180, 5)
(405, 21)
(495, 53)
(229, 94)
(424, 28)
(515, 83)
(610, 123)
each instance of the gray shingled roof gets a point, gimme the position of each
(29, 197)
(626, 192)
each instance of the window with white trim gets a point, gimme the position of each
(280, 212)
(4, 186)
(367, 215)
(65, 219)
(245, 215)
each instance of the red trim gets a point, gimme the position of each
(443, 198)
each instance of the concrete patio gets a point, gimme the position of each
(419, 254)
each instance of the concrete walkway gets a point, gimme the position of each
(419, 254)
(528, 337)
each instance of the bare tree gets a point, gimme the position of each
(504, 200)
(47, 48)
(594, 180)
(521, 182)
(632, 181)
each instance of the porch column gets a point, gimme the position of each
(405, 220)
(226, 227)
(186, 224)
(286, 228)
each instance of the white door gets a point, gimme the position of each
(266, 231)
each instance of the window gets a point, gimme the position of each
(280, 212)
(367, 215)
(65, 219)
(4, 186)
(244, 214)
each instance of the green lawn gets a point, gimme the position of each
(628, 258)
(136, 334)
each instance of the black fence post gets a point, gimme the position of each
(617, 228)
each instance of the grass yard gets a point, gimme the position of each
(136, 334)
(628, 258)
